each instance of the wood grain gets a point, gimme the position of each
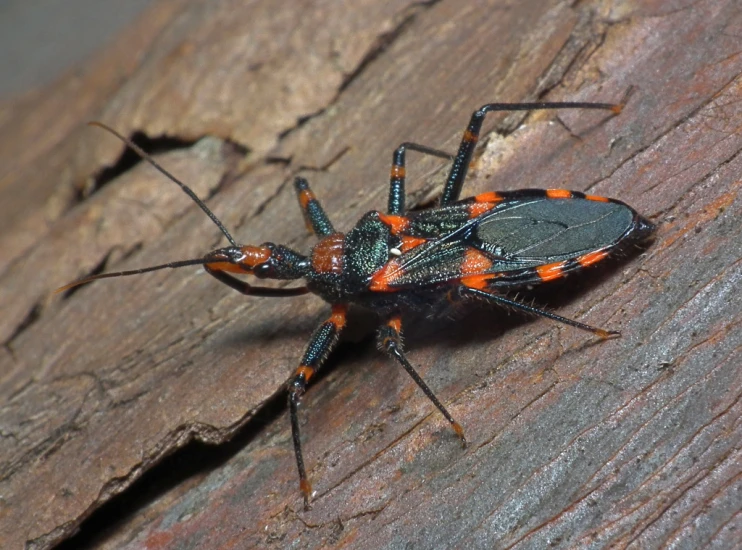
(633, 442)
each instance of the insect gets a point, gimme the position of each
(478, 248)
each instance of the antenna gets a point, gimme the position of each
(188, 191)
(179, 263)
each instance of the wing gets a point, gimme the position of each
(508, 235)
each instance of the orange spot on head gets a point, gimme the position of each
(255, 255)
(480, 282)
(398, 172)
(591, 258)
(305, 371)
(328, 254)
(617, 108)
(549, 272)
(382, 280)
(306, 488)
(305, 196)
(558, 194)
(252, 256)
(338, 316)
(396, 223)
(475, 262)
(408, 243)
(596, 198)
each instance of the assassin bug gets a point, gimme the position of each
(476, 248)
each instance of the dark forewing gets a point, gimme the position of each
(544, 230)
(521, 231)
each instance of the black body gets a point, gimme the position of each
(479, 248)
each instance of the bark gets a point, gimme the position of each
(632, 442)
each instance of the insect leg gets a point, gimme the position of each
(314, 215)
(491, 297)
(319, 347)
(460, 165)
(397, 176)
(390, 341)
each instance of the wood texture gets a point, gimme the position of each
(633, 442)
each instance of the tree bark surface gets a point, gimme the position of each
(633, 442)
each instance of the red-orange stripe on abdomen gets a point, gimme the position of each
(592, 258)
(549, 272)
(559, 194)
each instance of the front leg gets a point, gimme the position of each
(315, 217)
(396, 203)
(319, 347)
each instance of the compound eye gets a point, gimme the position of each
(263, 270)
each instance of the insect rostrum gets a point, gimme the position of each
(477, 248)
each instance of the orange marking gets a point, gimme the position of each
(469, 137)
(382, 280)
(395, 323)
(476, 209)
(480, 282)
(306, 488)
(491, 196)
(549, 272)
(558, 194)
(328, 254)
(459, 431)
(398, 172)
(592, 258)
(305, 371)
(617, 108)
(408, 243)
(396, 223)
(73, 284)
(475, 262)
(227, 267)
(254, 255)
(596, 198)
(305, 196)
(338, 316)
